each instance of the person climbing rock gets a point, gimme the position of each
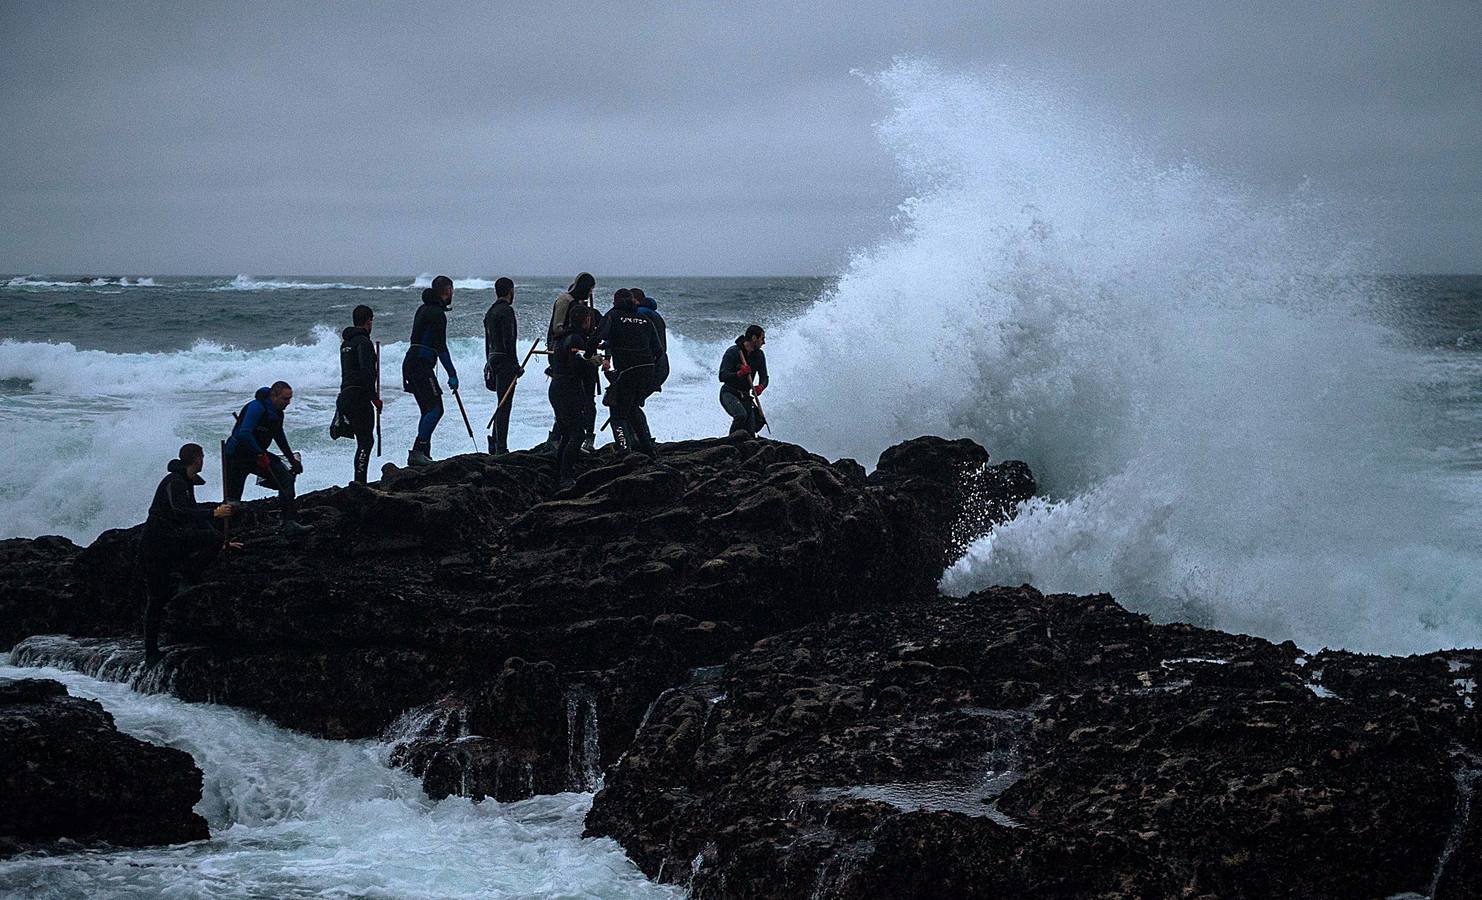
(429, 345)
(573, 367)
(179, 540)
(633, 345)
(259, 424)
(742, 362)
(501, 362)
(358, 401)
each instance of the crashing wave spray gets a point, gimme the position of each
(1188, 370)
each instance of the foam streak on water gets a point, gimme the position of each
(1223, 433)
(294, 816)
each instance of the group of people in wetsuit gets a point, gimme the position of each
(627, 346)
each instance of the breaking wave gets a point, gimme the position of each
(1222, 433)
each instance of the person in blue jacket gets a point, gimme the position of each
(649, 306)
(419, 367)
(259, 424)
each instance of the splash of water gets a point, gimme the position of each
(1223, 434)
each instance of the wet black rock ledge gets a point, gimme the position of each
(66, 773)
(1012, 744)
(506, 637)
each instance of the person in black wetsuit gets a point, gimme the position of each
(742, 361)
(633, 345)
(359, 400)
(259, 424)
(419, 367)
(179, 539)
(649, 306)
(579, 293)
(573, 366)
(501, 361)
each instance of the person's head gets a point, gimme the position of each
(622, 299)
(504, 289)
(584, 318)
(362, 317)
(638, 296)
(582, 287)
(194, 458)
(753, 338)
(442, 286)
(281, 395)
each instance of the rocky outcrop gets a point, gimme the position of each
(1014, 744)
(67, 772)
(508, 637)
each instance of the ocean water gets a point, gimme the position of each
(1233, 420)
(297, 817)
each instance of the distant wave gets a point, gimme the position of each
(38, 281)
(463, 284)
(248, 283)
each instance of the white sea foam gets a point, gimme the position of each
(293, 816)
(471, 283)
(88, 432)
(248, 283)
(25, 281)
(1221, 434)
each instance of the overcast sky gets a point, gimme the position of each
(684, 138)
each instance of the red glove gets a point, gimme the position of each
(758, 389)
(744, 370)
(376, 402)
(264, 464)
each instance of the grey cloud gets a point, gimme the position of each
(687, 138)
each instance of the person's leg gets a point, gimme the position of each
(363, 417)
(237, 470)
(157, 596)
(739, 411)
(499, 438)
(430, 402)
(282, 477)
(568, 406)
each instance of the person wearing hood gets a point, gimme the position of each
(180, 539)
(743, 361)
(429, 346)
(359, 399)
(579, 293)
(649, 306)
(259, 424)
(501, 361)
(633, 344)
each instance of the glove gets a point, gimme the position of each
(758, 389)
(264, 464)
(376, 402)
(744, 370)
(295, 466)
(453, 382)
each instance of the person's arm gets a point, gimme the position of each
(730, 364)
(508, 335)
(365, 357)
(758, 361)
(440, 344)
(183, 511)
(280, 437)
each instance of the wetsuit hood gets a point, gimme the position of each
(177, 467)
(648, 303)
(352, 331)
(430, 296)
(265, 394)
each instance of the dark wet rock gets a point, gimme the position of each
(1015, 744)
(67, 773)
(473, 585)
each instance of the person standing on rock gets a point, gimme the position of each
(649, 307)
(429, 346)
(359, 399)
(573, 367)
(633, 344)
(579, 293)
(179, 539)
(501, 361)
(742, 361)
(260, 424)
